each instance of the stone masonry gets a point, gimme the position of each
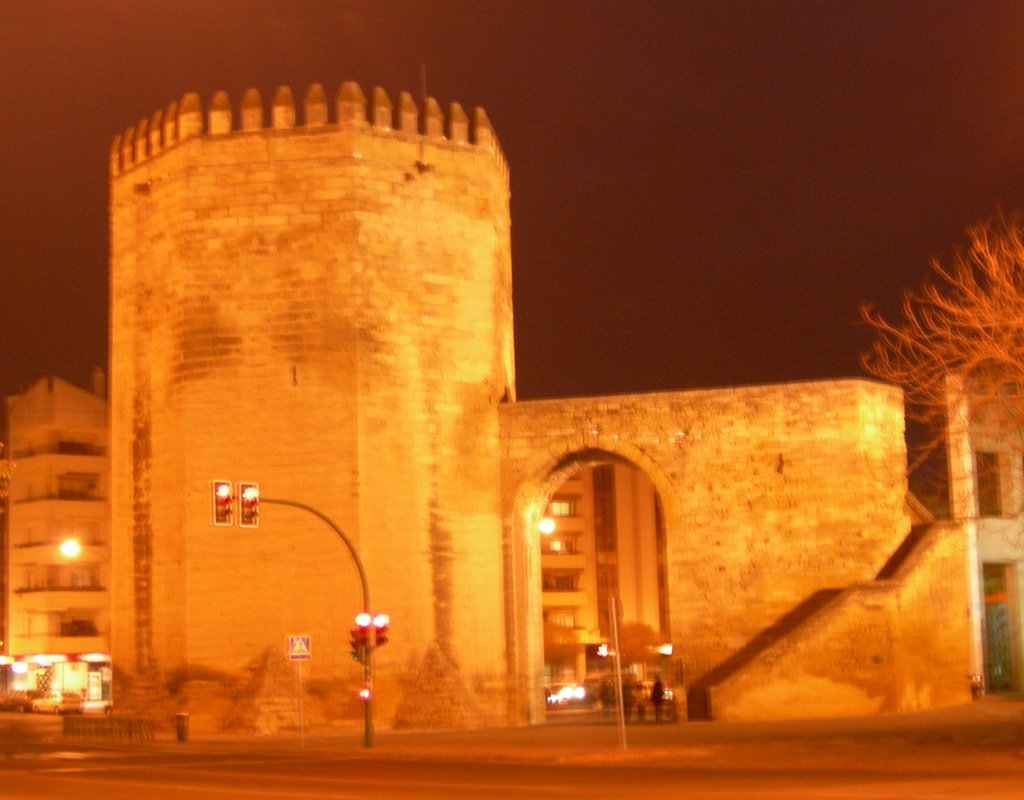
(323, 306)
(325, 309)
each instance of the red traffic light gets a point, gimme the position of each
(221, 503)
(365, 694)
(248, 505)
(380, 629)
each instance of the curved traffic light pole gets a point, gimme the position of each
(368, 658)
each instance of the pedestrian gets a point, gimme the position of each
(657, 697)
(607, 696)
(639, 700)
(627, 700)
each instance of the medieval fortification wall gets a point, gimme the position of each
(323, 307)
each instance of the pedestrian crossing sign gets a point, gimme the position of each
(298, 648)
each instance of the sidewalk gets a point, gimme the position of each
(987, 732)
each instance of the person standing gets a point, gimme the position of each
(657, 698)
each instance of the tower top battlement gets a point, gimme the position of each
(184, 119)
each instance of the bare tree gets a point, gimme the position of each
(967, 324)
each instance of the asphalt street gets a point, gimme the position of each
(974, 751)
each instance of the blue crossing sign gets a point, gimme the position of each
(298, 648)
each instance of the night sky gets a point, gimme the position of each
(702, 192)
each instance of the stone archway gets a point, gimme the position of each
(547, 473)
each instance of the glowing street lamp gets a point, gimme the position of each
(546, 526)
(70, 548)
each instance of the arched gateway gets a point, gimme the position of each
(782, 504)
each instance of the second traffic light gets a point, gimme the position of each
(222, 501)
(248, 505)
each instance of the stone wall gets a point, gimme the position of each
(323, 308)
(885, 646)
(770, 493)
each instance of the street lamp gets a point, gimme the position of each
(71, 548)
(546, 526)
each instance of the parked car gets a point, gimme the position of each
(17, 701)
(564, 695)
(59, 703)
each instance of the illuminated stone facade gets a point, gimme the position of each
(324, 306)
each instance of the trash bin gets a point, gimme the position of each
(181, 726)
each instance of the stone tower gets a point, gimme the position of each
(322, 306)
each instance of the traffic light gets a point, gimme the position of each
(361, 637)
(356, 642)
(248, 505)
(380, 625)
(365, 694)
(222, 502)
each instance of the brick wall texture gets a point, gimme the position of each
(325, 308)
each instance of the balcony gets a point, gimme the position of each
(563, 561)
(563, 599)
(58, 598)
(63, 448)
(63, 494)
(22, 554)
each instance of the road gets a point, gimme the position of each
(71, 775)
(38, 764)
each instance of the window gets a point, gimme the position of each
(78, 627)
(562, 508)
(81, 580)
(78, 486)
(559, 583)
(560, 619)
(558, 546)
(989, 487)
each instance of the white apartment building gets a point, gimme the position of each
(57, 541)
(605, 540)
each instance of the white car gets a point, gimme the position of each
(59, 703)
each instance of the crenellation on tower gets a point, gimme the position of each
(407, 118)
(252, 110)
(458, 124)
(432, 119)
(114, 156)
(282, 113)
(350, 103)
(141, 140)
(190, 117)
(155, 129)
(171, 124)
(128, 148)
(315, 106)
(383, 110)
(218, 117)
(186, 118)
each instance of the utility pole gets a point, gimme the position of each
(368, 657)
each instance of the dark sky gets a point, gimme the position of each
(702, 192)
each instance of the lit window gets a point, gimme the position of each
(562, 508)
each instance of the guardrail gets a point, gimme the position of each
(121, 729)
